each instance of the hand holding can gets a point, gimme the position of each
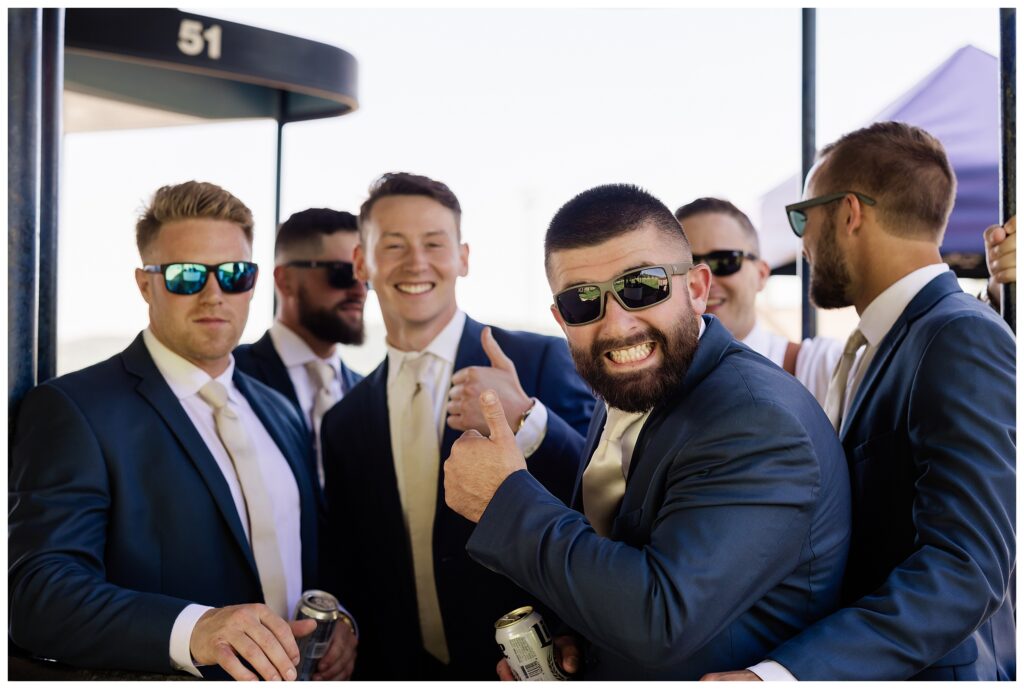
(526, 643)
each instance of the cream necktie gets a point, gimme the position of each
(322, 375)
(835, 399)
(604, 482)
(262, 532)
(419, 462)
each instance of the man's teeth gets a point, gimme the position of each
(414, 287)
(635, 353)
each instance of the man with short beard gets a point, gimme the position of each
(319, 304)
(712, 519)
(924, 403)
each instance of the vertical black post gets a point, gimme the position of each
(24, 39)
(1008, 153)
(277, 176)
(808, 316)
(49, 187)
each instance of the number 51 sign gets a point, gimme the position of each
(193, 39)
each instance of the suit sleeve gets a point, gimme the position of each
(570, 406)
(61, 605)
(735, 513)
(961, 426)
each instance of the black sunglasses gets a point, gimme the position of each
(340, 274)
(234, 277)
(725, 262)
(638, 289)
(797, 211)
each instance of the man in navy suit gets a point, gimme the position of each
(319, 305)
(162, 516)
(712, 518)
(924, 403)
(426, 611)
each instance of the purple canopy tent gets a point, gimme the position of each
(958, 103)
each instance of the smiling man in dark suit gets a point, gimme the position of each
(426, 611)
(162, 515)
(319, 305)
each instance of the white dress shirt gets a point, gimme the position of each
(185, 379)
(295, 354)
(875, 323)
(815, 361)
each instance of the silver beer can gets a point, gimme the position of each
(527, 646)
(322, 607)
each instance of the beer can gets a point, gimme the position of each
(527, 645)
(322, 607)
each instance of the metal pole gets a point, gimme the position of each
(24, 40)
(277, 177)
(49, 187)
(808, 316)
(1008, 153)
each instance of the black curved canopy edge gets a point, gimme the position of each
(195, 65)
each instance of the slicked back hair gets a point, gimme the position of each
(189, 201)
(902, 167)
(409, 184)
(305, 230)
(608, 211)
(709, 204)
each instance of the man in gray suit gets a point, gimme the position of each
(712, 517)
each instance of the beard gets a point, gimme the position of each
(329, 325)
(830, 278)
(640, 391)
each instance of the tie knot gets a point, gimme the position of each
(321, 372)
(619, 422)
(214, 394)
(417, 366)
(855, 342)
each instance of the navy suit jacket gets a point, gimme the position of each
(120, 516)
(261, 361)
(731, 536)
(931, 443)
(374, 575)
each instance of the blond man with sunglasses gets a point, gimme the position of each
(162, 514)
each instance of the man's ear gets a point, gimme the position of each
(764, 271)
(359, 264)
(853, 214)
(145, 285)
(463, 259)
(284, 280)
(698, 283)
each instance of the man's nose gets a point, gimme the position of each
(211, 293)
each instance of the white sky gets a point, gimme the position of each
(517, 111)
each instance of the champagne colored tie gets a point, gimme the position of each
(604, 482)
(262, 531)
(419, 461)
(835, 399)
(322, 375)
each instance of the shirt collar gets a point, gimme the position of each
(882, 313)
(444, 346)
(294, 351)
(185, 378)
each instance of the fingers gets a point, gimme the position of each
(252, 632)
(567, 653)
(494, 414)
(339, 659)
(994, 235)
(504, 671)
(226, 658)
(266, 651)
(497, 357)
(1011, 225)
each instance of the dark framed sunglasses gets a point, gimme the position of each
(636, 290)
(725, 262)
(796, 212)
(340, 274)
(234, 277)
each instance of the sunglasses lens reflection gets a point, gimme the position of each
(341, 276)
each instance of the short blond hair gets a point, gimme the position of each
(190, 200)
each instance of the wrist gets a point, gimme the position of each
(530, 404)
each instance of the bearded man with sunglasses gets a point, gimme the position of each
(712, 518)
(162, 513)
(319, 305)
(724, 239)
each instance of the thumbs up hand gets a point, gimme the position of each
(463, 408)
(478, 465)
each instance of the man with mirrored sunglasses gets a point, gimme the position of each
(723, 238)
(712, 516)
(319, 306)
(163, 516)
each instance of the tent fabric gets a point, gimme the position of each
(959, 104)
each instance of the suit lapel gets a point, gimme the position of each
(469, 353)
(154, 389)
(274, 369)
(940, 287)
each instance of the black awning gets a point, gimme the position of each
(195, 65)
